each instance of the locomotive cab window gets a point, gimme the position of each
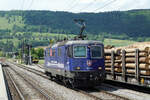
(69, 51)
(96, 51)
(47, 51)
(79, 51)
(59, 52)
(53, 52)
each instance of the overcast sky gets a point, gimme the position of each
(74, 5)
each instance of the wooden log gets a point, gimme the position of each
(116, 69)
(107, 51)
(115, 66)
(109, 57)
(129, 50)
(141, 60)
(132, 54)
(141, 66)
(131, 60)
(116, 61)
(116, 51)
(109, 64)
(145, 72)
(130, 71)
(142, 72)
(149, 56)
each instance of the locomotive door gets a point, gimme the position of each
(60, 56)
(68, 57)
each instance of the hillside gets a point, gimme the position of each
(39, 27)
(131, 23)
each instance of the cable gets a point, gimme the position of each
(32, 1)
(87, 6)
(22, 5)
(77, 2)
(105, 5)
(69, 3)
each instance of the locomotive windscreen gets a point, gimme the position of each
(80, 51)
(96, 51)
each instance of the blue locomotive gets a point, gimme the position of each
(76, 62)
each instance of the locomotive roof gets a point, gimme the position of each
(76, 42)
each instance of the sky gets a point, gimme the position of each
(75, 6)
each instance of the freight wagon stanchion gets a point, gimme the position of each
(137, 65)
(123, 66)
(112, 65)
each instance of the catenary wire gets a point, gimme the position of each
(31, 3)
(22, 5)
(68, 4)
(87, 6)
(105, 5)
(73, 6)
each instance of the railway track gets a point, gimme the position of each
(32, 70)
(46, 95)
(103, 93)
(100, 94)
(15, 91)
(40, 66)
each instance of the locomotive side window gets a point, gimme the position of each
(96, 51)
(59, 51)
(47, 52)
(79, 51)
(53, 52)
(69, 51)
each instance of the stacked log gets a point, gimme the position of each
(116, 59)
(130, 60)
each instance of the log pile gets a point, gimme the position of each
(129, 60)
(116, 59)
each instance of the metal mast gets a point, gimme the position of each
(81, 24)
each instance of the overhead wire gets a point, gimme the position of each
(105, 5)
(22, 5)
(87, 6)
(91, 3)
(69, 3)
(32, 1)
(75, 4)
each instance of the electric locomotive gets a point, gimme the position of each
(78, 63)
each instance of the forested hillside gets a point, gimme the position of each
(132, 23)
(36, 26)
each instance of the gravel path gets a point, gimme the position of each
(28, 91)
(68, 94)
(103, 96)
(59, 91)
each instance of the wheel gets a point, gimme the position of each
(69, 83)
(50, 76)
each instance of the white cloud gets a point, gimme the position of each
(74, 5)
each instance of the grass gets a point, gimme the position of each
(41, 61)
(117, 43)
(8, 23)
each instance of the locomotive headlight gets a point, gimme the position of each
(99, 68)
(78, 68)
